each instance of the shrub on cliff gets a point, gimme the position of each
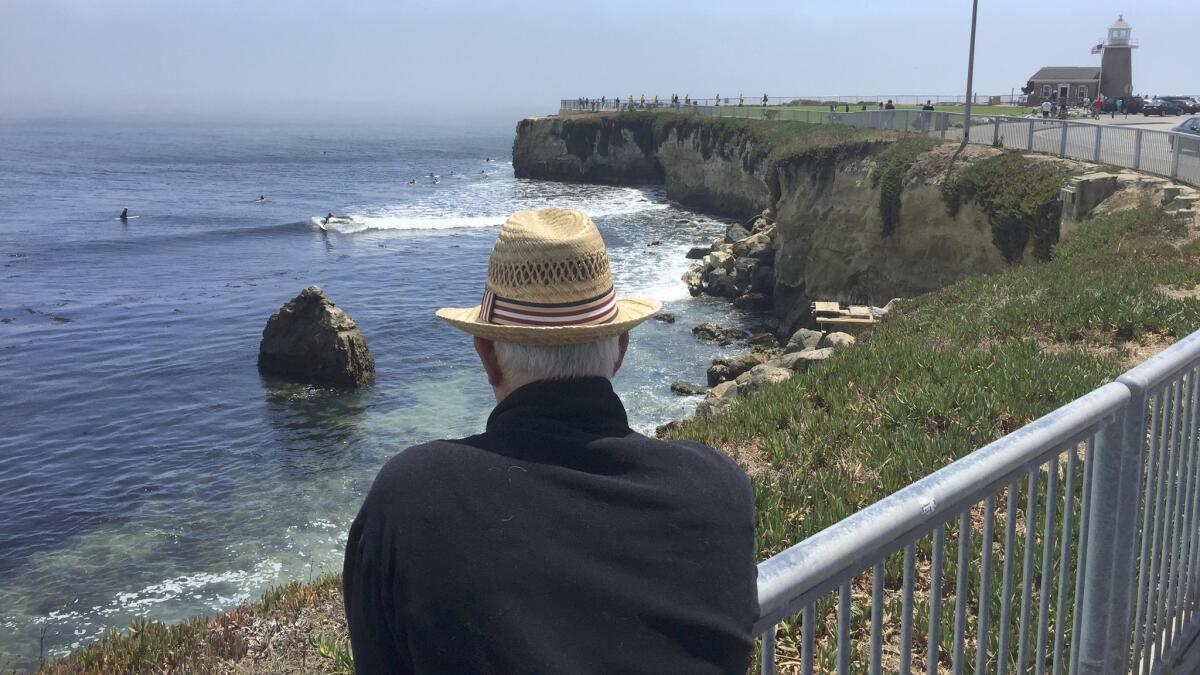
(889, 172)
(776, 143)
(1020, 198)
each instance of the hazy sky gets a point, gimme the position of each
(492, 62)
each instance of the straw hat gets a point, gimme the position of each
(549, 284)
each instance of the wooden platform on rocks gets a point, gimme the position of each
(836, 314)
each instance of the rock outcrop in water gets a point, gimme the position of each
(312, 340)
(739, 265)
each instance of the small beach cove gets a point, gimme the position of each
(149, 471)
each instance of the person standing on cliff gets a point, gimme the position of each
(559, 540)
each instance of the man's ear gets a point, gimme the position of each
(486, 349)
(623, 342)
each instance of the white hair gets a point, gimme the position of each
(529, 363)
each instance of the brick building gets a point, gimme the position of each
(1078, 84)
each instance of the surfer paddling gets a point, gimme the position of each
(261, 199)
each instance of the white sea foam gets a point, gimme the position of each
(655, 273)
(442, 212)
(361, 222)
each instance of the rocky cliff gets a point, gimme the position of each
(860, 215)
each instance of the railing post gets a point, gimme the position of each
(1175, 154)
(1062, 142)
(995, 131)
(1137, 149)
(1109, 572)
(1029, 142)
(767, 661)
(1096, 151)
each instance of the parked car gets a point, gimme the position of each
(1160, 107)
(1190, 105)
(1189, 141)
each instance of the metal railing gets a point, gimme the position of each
(1069, 545)
(1166, 153)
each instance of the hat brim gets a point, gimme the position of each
(630, 312)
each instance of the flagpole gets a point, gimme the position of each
(1100, 79)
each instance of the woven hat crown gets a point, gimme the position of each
(549, 256)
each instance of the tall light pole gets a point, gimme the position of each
(970, 74)
(966, 137)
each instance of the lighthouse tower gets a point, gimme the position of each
(1116, 75)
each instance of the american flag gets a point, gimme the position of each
(1098, 48)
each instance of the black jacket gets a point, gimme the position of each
(558, 541)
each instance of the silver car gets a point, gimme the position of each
(1189, 140)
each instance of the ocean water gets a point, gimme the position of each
(146, 468)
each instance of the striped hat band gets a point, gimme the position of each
(593, 311)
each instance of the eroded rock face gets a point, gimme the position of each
(313, 341)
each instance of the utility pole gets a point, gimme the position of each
(966, 137)
(970, 74)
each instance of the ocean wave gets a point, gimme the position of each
(596, 201)
(357, 223)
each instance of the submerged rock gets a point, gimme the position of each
(313, 341)
(694, 281)
(711, 332)
(665, 317)
(753, 301)
(698, 252)
(687, 388)
(764, 339)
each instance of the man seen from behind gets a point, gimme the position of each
(558, 540)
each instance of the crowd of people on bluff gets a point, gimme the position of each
(1093, 107)
(615, 103)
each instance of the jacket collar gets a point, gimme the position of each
(585, 403)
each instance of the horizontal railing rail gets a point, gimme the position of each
(1075, 544)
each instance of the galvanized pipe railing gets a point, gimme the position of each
(1095, 569)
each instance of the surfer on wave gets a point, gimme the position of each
(261, 199)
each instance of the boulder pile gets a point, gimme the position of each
(738, 266)
(749, 373)
(312, 340)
